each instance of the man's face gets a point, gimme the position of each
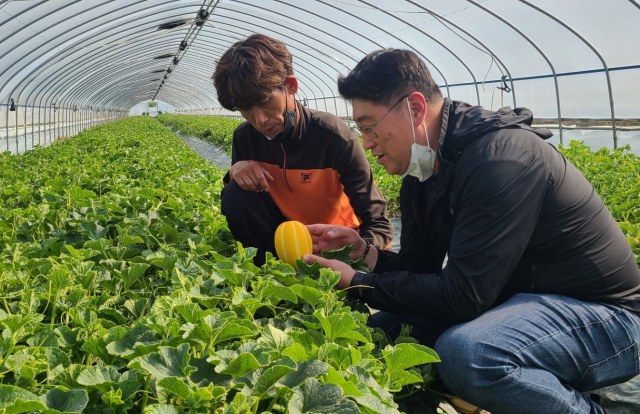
(267, 117)
(392, 146)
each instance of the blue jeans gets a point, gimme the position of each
(532, 354)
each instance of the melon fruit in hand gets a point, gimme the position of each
(293, 241)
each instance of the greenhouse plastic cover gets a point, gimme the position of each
(583, 54)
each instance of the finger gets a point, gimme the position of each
(250, 180)
(268, 175)
(314, 228)
(318, 229)
(262, 180)
(311, 259)
(250, 186)
(242, 183)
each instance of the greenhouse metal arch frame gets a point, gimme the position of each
(59, 57)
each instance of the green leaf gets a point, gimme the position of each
(342, 325)
(98, 348)
(68, 376)
(43, 339)
(168, 362)
(16, 400)
(128, 387)
(375, 405)
(76, 194)
(130, 275)
(129, 240)
(394, 381)
(241, 365)
(310, 295)
(335, 377)
(341, 254)
(278, 293)
(269, 378)
(313, 397)
(175, 385)
(192, 313)
(296, 352)
(160, 409)
(306, 270)
(328, 279)
(275, 338)
(56, 357)
(240, 328)
(307, 369)
(71, 401)
(113, 399)
(170, 234)
(99, 377)
(93, 231)
(407, 355)
(138, 341)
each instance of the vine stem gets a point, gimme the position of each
(146, 393)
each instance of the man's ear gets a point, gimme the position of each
(419, 108)
(292, 84)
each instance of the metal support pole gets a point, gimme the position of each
(6, 126)
(17, 109)
(39, 123)
(33, 114)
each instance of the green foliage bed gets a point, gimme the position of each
(121, 291)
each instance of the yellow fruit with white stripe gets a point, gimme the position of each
(293, 241)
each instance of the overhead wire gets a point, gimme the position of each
(194, 30)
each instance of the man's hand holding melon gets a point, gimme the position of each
(294, 241)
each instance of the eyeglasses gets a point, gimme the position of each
(369, 129)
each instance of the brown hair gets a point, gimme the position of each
(250, 70)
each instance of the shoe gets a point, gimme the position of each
(461, 405)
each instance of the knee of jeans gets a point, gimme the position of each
(470, 362)
(236, 202)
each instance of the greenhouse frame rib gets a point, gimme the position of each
(82, 54)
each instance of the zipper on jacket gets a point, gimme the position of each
(533, 278)
(284, 168)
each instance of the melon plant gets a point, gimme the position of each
(122, 291)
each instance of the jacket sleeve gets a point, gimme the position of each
(500, 191)
(365, 197)
(417, 253)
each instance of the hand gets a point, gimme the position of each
(330, 237)
(346, 272)
(250, 176)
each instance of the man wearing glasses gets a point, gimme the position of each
(289, 162)
(539, 300)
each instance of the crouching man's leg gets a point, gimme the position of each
(252, 217)
(537, 353)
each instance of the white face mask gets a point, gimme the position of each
(423, 158)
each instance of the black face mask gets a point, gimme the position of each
(289, 124)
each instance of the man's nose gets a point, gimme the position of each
(261, 117)
(367, 143)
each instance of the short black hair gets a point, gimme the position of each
(383, 76)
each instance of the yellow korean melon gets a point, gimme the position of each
(293, 241)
